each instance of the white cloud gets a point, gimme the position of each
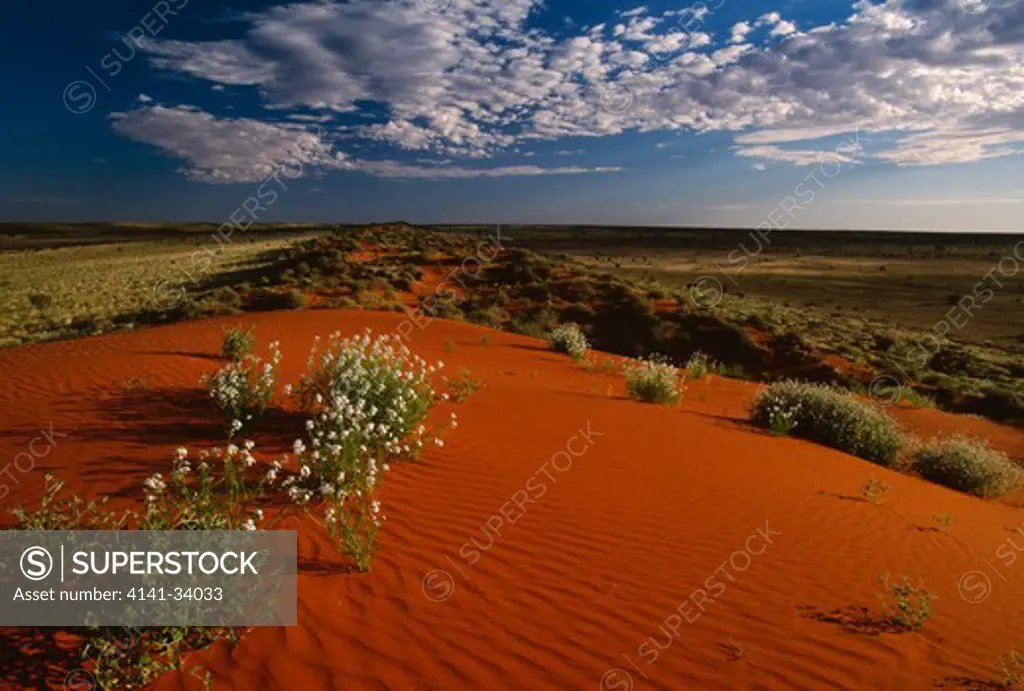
(223, 150)
(246, 150)
(740, 31)
(948, 85)
(799, 158)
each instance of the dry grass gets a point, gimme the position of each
(89, 285)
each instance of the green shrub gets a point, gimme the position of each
(825, 415)
(570, 339)
(269, 300)
(237, 344)
(654, 381)
(966, 465)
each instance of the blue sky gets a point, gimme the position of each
(896, 114)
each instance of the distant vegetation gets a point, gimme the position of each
(97, 288)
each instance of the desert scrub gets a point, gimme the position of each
(569, 339)
(237, 344)
(464, 386)
(966, 465)
(244, 388)
(825, 415)
(654, 380)
(699, 364)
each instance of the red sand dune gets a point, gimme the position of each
(570, 591)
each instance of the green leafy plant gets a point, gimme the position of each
(1011, 670)
(237, 344)
(874, 489)
(464, 386)
(904, 604)
(944, 521)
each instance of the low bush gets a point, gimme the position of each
(966, 465)
(825, 415)
(570, 339)
(654, 381)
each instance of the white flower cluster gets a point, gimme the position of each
(654, 380)
(782, 417)
(368, 395)
(569, 339)
(246, 385)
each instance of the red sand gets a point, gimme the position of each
(609, 551)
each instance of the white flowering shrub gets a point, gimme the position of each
(569, 339)
(368, 394)
(825, 415)
(214, 495)
(369, 397)
(244, 388)
(654, 380)
(966, 465)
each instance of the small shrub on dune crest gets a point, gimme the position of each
(825, 415)
(237, 344)
(699, 365)
(966, 465)
(241, 389)
(569, 339)
(370, 391)
(654, 381)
